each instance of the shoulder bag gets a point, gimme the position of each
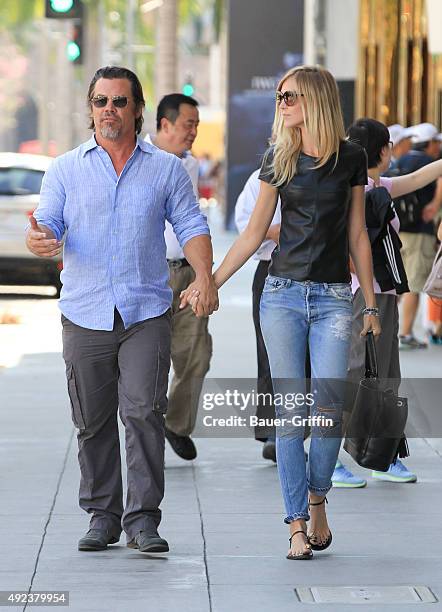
(433, 285)
(375, 432)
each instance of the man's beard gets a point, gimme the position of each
(109, 132)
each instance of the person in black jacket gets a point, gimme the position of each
(419, 238)
(389, 275)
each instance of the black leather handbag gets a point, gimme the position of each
(375, 431)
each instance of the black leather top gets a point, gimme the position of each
(313, 243)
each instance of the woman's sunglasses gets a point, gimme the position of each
(117, 101)
(289, 97)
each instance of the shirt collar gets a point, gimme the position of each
(90, 144)
(146, 147)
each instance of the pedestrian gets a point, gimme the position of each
(375, 138)
(418, 240)
(206, 178)
(307, 298)
(191, 349)
(243, 210)
(108, 200)
(435, 310)
(435, 320)
(400, 138)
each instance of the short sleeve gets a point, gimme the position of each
(266, 173)
(387, 183)
(360, 176)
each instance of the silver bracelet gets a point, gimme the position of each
(371, 312)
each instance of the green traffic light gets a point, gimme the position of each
(62, 6)
(73, 51)
(188, 89)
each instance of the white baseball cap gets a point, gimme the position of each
(399, 132)
(424, 132)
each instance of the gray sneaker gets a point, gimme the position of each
(410, 342)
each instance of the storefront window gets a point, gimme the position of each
(398, 81)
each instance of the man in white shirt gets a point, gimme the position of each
(243, 211)
(191, 350)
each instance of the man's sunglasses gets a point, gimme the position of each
(289, 97)
(117, 101)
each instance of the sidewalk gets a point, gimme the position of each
(222, 514)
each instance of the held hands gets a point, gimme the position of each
(39, 241)
(202, 295)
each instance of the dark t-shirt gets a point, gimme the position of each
(411, 162)
(313, 242)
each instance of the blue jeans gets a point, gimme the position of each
(292, 314)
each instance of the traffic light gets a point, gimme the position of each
(188, 88)
(74, 47)
(63, 9)
(73, 10)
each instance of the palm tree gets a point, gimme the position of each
(166, 57)
(169, 14)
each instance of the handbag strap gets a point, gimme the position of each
(371, 361)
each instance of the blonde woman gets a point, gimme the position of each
(307, 297)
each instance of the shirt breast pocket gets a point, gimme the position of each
(141, 211)
(89, 206)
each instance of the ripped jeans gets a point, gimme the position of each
(292, 314)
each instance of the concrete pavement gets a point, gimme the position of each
(222, 513)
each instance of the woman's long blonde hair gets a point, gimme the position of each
(322, 113)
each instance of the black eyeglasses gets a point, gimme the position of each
(117, 101)
(289, 97)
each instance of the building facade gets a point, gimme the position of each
(399, 79)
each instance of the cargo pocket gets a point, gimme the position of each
(77, 414)
(161, 384)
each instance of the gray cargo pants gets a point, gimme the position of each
(126, 369)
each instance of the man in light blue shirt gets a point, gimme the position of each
(109, 200)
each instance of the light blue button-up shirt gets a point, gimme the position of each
(114, 249)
